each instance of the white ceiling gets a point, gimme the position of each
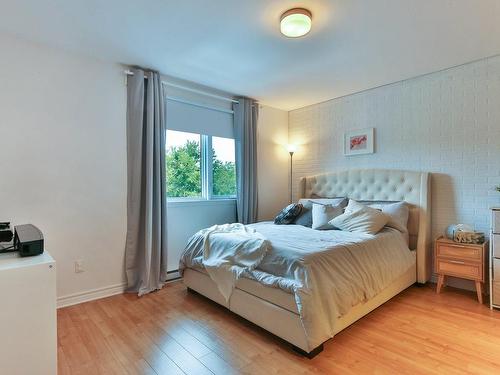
(235, 45)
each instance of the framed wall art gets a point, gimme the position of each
(358, 142)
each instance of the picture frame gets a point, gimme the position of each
(359, 142)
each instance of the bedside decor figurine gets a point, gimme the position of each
(464, 233)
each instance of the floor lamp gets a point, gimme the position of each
(291, 150)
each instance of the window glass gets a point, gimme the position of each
(223, 168)
(183, 158)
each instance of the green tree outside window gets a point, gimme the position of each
(183, 165)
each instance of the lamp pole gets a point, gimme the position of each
(291, 179)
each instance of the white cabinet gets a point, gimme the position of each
(495, 258)
(28, 320)
(495, 220)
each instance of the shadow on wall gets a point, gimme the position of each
(444, 202)
(443, 205)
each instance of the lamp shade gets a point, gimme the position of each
(291, 148)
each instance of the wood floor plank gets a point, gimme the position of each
(178, 354)
(62, 363)
(217, 365)
(175, 332)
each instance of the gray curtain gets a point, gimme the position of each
(246, 113)
(146, 244)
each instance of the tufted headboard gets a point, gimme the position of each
(384, 185)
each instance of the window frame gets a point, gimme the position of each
(206, 172)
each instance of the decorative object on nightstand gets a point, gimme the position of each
(464, 233)
(466, 261)
(495, 258)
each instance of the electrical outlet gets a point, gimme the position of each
(79, 266)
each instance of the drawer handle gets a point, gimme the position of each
(456, 262)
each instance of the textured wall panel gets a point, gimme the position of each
(447, 123)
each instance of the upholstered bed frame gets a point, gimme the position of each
(275, 310)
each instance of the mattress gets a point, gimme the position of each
(325, 272)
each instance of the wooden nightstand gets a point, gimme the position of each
(466, 261)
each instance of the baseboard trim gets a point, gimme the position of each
(173, 275)
(107, 291)
(90, 295)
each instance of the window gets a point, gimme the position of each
(200, 166)
(223, 167)
(183, 165)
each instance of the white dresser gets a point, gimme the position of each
(495, 258)
(28, 321)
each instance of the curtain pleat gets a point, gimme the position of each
(246, 113)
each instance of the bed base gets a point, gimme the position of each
(313, 353)
(282, 322)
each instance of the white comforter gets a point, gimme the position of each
(228, 251)
(327, 271)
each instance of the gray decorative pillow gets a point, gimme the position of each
(305, 218)
(288, 214)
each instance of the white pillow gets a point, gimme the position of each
(398, 213)
(308, 202)
(323, 213)
(353, 206)
(305, 217)
(363, 220)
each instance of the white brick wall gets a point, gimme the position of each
(447, 123)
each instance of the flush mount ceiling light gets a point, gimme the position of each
(295, 22)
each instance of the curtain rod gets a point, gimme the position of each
(130, 73)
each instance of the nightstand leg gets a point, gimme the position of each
(440, 283)
(479, 291)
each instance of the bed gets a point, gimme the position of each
(280, 311)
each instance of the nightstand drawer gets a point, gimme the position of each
(460, 269)
(459, 251)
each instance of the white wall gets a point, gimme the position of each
(63, 158)
(186, 218)
(273, 162)
(63, 165)
(447, 123)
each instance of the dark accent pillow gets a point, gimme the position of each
(288, 214)
(305, 218)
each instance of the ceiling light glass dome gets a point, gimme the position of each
(296, 22)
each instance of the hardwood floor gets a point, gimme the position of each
(175, 332)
